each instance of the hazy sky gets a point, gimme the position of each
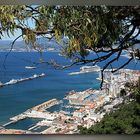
(30, 23)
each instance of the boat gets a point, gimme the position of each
(30, 67)
(90, 68)
(50, 49)
(13, 81)
(87, 69)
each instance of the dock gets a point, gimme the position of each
(8, 123)
(16, 119)
(15, 81)
(40, 124)
(35, 112)
(33, 127)
(45, 105)
(19, 117)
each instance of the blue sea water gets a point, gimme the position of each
(15, 99)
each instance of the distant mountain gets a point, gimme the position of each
(47, 44)
(5, 45)
(44, 43)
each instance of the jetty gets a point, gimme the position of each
(40, 124)
(17, 118)
(45, 105)
(38, 111)
(8, 123)
(88, 106)
(15, 81)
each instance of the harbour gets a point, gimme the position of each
(35, 112)
(69, 69)
(90, 106)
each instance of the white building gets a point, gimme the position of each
(80, 113)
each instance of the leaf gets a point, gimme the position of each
(89, 20)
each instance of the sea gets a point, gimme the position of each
(17, 98)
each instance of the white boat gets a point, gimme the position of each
(50, 49)
(75, 73)
(13, 81)
(30, 67)
(90, 68)
(87, 69)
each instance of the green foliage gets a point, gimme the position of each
(134, 88)
(87, 27)
(15, 17)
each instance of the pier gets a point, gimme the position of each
(15, 81)
(16, 119)
(35, 112)
(89, 106)
(45, 105)
(40, 124)
(33, 127)
(19, 117)
(8, 123)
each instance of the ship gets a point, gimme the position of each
(30, 67)
(87, 69)
(90, 68)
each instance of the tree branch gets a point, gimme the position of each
(12, 45)
(35, 31)
(33, 9)
(135, 35)
(74, 63)
(123, 65)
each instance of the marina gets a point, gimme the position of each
(70, 69)
(45, 105)
(89, 106)
(35, 112)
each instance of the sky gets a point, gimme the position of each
(17, 33)
(30, 23)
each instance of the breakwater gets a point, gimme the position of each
(15, 81)
(35, 112)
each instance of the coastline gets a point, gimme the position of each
(89, 105)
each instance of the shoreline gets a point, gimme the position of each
(86, 103)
